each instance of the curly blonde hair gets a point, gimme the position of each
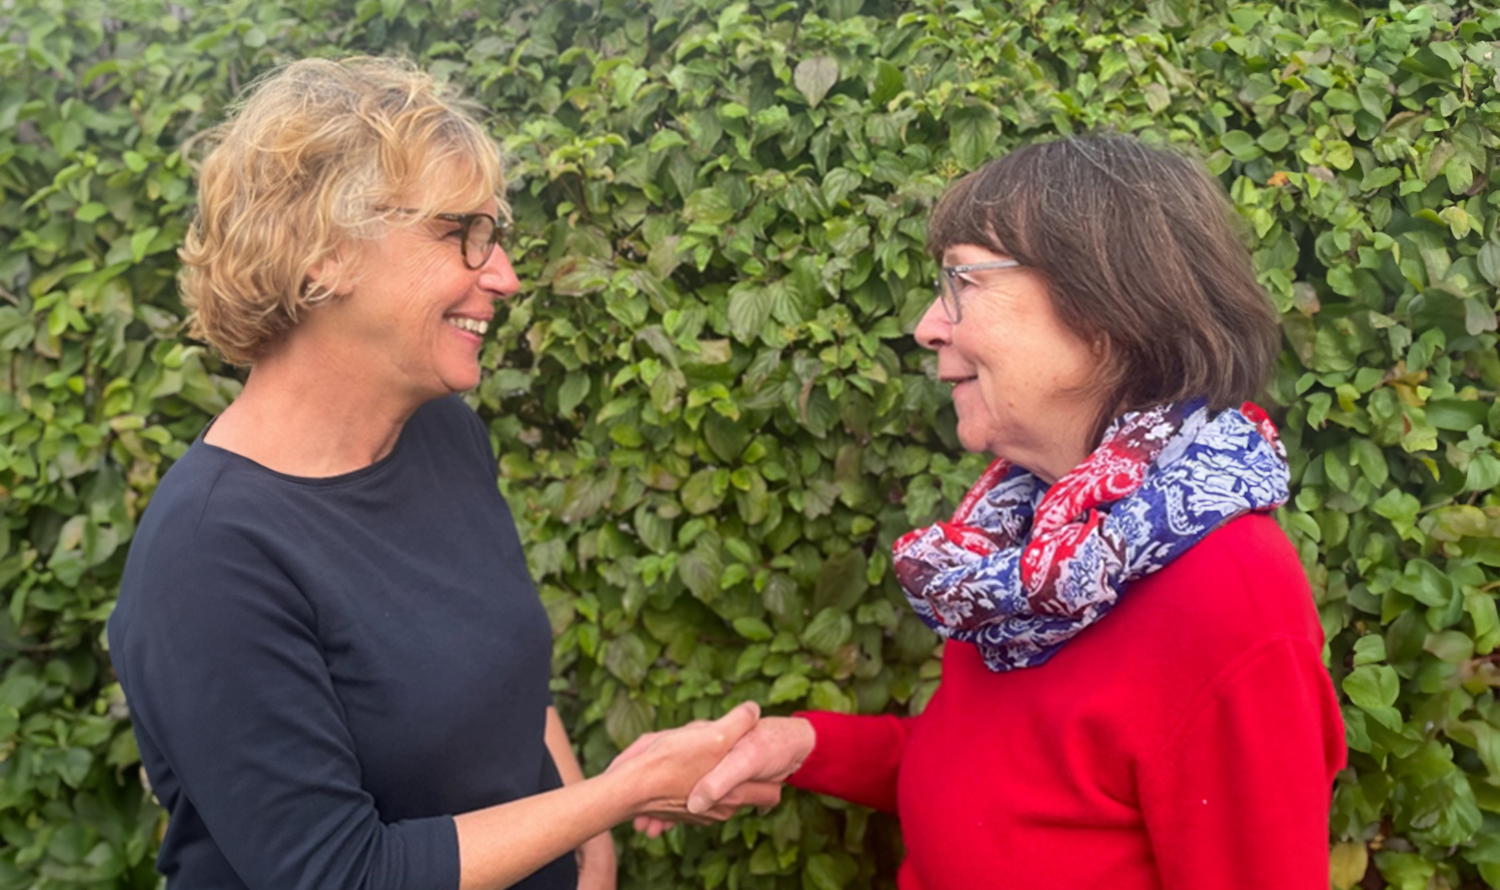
(315, 157)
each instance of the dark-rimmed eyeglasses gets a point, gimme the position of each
(478, 233)
(948, 280)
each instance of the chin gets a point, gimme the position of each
(461, 382)
(974, 444)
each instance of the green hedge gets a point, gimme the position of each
(710, 417)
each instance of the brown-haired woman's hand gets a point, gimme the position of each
(665, 766)
(750, 773)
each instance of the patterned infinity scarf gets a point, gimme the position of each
(1022, 568)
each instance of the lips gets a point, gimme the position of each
(476, 326)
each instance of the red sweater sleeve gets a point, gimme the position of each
(1237, 798)
(855, 758)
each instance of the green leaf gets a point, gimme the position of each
(1489, 262)
(788, 687)
(1240, 144)
(826, 871)
(627, 719)
(140, 241)
(1374, 689)
(752, 628)
(574, 389)
(90, 212)
(627, 658)
(708, 205)
(1370, 459)
(1450, 646)
(815, 77)
(1425, 583)
(829, 629)
(749, 311)
(1369, 649)
(973, 133)
(889, 82)
(1478, 317)
(842, 582)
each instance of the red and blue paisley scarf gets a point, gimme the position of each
(1021, 567)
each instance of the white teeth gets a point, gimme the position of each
(472, 325)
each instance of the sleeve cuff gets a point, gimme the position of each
(855, 757)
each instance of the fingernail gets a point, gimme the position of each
(696, 805)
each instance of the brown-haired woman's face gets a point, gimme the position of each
(1021, 379)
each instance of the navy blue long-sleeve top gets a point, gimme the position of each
(322, 672)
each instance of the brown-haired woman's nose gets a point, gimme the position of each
(934, 329)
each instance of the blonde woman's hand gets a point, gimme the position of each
(750, 773)
(663, 757)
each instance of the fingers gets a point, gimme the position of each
(761, 795)
(740, 720)
(745, 762)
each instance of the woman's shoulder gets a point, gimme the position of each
(214, 515)
(1240, 585)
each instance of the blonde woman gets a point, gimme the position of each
(336, 664)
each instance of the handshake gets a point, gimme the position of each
(706, 770)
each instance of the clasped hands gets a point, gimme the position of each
(706, 770)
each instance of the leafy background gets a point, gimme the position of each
(710, 418)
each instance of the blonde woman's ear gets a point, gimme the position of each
(325, 279)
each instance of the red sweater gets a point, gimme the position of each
(1187, 740)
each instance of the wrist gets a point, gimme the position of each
(798, 737)
(626, 788)
(598, 852)
(637, 785)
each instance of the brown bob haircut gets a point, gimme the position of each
(1143, 255)
(314, 160)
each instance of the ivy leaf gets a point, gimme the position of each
(815, 77)
(1478, 316)
(698, 494)
(889, 81)
(1374, 689)
(1426, 583)
(752, 628)
(574, 389)
(1347, 863)
(829, 629)
(1241, 144)
(627, 719)
(973, 135)
(749, 310)
(842, 581)
(1489, 262)
(788, 687)
(627, 658)
(140, 241)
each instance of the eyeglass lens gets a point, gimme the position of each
(945, 295)
(479, 240)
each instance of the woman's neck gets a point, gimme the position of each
(304, 415)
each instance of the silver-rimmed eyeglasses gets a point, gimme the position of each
(949, 278)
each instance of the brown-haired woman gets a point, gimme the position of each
(1133, 694)
(336, 664)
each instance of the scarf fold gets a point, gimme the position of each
(1022, 567)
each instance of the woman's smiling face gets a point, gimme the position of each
(1021, 379)
(415, 314)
